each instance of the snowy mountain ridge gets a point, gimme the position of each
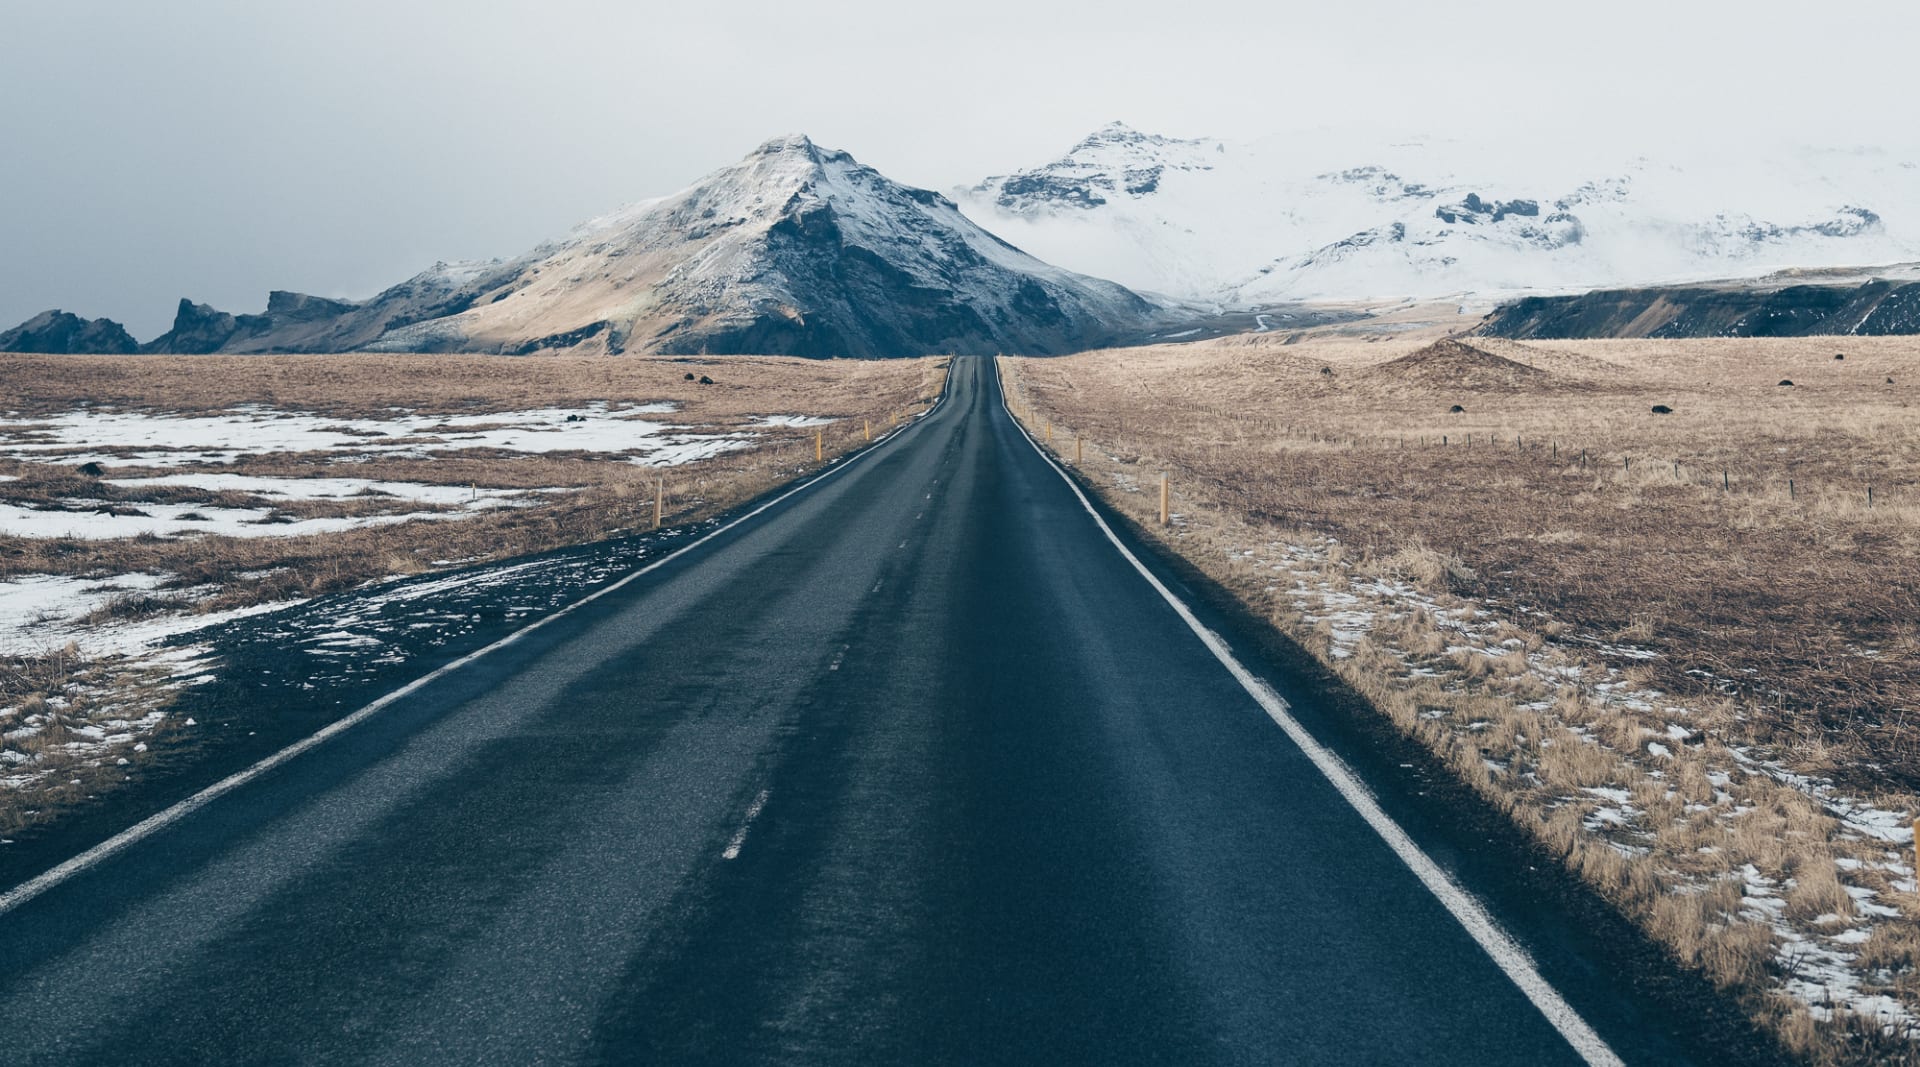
(1335, 217)
(796, 249)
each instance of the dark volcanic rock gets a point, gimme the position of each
(1875, 308)
(285, 307)
(1474, 211)
(59, 333)
(197, 329)
(298, 322)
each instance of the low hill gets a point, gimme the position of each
(1451, 364)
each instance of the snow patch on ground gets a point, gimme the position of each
(1818, 962)
(157, 439)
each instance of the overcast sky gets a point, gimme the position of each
(220, 148)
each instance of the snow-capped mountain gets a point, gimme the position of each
(1344, 217)
(794, 250)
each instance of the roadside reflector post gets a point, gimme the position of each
(1076, 450)
(868, 423)
(819, 446)
(1049, 433)
(659, 501)
(1164, 518)
(1916, 842)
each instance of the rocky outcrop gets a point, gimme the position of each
(1875, 308)
(197, 329)
(297, 322)
(1473, 211)
(1115, 161)
(59, 333)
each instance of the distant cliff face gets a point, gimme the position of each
(59, 333)
(1875, 308)
(296, 322)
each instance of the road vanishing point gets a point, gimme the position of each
(925, 760)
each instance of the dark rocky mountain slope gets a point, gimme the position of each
(57, 332)
(1875, 307)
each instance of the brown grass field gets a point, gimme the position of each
(1681, 648)
(607, 495)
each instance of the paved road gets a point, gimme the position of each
(913, 766)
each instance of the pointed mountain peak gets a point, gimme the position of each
(798, 146)
(793, 143)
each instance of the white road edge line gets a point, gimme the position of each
(1468, 911)
(739, 839)
(160, 820)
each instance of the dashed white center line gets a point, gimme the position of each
(840, 656)
(876, 587)
(740, 835)
(903, 544)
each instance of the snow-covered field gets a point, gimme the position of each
(110, 641)
(211, 440)
(153, 439)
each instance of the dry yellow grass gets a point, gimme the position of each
(1575, 599)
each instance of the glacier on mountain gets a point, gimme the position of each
(1339, 216)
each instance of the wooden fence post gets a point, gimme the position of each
(659, 501)
(1164, 516)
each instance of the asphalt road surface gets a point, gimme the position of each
(915, 765)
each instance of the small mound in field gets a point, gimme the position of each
(1450, 364)
(1662, 409)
